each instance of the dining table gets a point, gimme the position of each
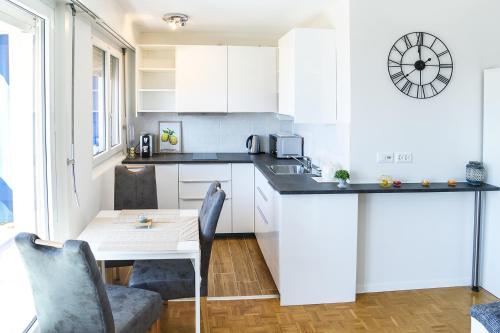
(168, 234)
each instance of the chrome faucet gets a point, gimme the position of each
(309, 167)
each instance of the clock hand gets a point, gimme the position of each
(410, 72)
(419, 52)
(416, 69)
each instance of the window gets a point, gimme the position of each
(98, 101)
(23, 176)
(107, 97)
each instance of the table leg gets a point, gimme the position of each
(197, 272)
(477, 240)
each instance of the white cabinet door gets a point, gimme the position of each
(266, 224)
(307, 75)
(243, 198)
(167, 186)
(286, 78)
(201, 78)
(252, 81)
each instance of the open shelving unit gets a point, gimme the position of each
(156, 78)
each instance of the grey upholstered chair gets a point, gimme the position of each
(70, 295)
(487, 315)
(134, 189)
(174, 279)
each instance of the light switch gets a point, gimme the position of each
(385, 158)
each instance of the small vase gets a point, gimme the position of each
(342, 183)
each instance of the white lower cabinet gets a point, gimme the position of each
(243, 197)
(194, 180)
(309, 242)
(266, 224)
(236, 181)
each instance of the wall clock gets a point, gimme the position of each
(420, 65)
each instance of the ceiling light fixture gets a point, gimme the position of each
(175, 20)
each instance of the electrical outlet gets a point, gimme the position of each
(385, 158)
(403, 157)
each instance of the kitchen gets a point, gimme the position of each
(232, 95)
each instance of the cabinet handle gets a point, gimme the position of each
(262, 194)
(262, 215)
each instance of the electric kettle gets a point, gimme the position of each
(253, 144)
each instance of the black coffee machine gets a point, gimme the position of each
(146, 145)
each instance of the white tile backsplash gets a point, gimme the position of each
(215, 133)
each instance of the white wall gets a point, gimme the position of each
(115, 16)
(417, 240)
(94, 183)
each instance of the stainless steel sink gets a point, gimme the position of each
(287, 169)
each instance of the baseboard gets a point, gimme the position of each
(236, 235)
(242, 298)
(228, 298)
(411, 285)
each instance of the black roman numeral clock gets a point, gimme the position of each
(420, 65)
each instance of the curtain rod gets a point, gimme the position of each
(102, 24)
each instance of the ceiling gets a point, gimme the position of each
(228, 16)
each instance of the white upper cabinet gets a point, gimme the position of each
(201, 78)
(252, 79)
(307, 75)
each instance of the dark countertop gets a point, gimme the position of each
(191, 158)
(302, 184)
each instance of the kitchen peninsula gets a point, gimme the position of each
(307, 231)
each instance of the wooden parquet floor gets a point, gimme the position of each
(429, 310)
(236, 266)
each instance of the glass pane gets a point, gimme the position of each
(21, 138)
(98, 101)
(114, 82)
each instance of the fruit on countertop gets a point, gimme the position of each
(385, 181)
(426, 182)
(452, 182)
(397, 183)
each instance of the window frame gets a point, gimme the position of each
(44, 158)
(109, 51)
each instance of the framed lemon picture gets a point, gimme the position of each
(170, 137)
